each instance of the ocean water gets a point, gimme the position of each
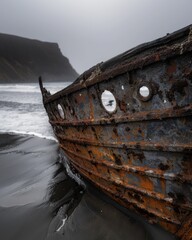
(22, 111)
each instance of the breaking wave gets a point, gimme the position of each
(19, 88)
(22, 111)
(21, 106)
(32, 87)
(31, 134)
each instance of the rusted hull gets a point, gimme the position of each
(139, 153)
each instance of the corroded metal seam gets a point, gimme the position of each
(178, 112)
(140, 170)
(186, 229)
(165, 223)
(173, 227)
(148, 193)
(175, 221)
(141, 145)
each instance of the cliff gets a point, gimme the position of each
(23, 60)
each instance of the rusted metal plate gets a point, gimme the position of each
(136, 146)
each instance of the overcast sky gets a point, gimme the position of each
(91, 31)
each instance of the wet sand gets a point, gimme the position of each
(39, 201)
(33, 185)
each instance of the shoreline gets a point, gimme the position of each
(32, 134)
(34, 187)
(37, 195)
(22, 157)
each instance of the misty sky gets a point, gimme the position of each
(91, 31)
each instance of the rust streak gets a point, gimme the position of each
(134, 117)
(142, 145)
(175, 221)
(151, 172)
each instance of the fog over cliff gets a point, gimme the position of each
(92, 31)
(24, 60)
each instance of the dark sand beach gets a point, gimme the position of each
(39, 201)
(33, 185)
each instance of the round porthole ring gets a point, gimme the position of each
(109, 112)
(143, 98)
(59, 106)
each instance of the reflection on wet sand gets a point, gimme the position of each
(39, 201)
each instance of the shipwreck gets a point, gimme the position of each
(126, 126)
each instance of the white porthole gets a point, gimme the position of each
(108, 100)
(144, 91)
(60, 111)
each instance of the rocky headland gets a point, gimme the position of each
(24, 60)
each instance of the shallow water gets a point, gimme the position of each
(33, 186)
(37, 198)
(21, 109)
